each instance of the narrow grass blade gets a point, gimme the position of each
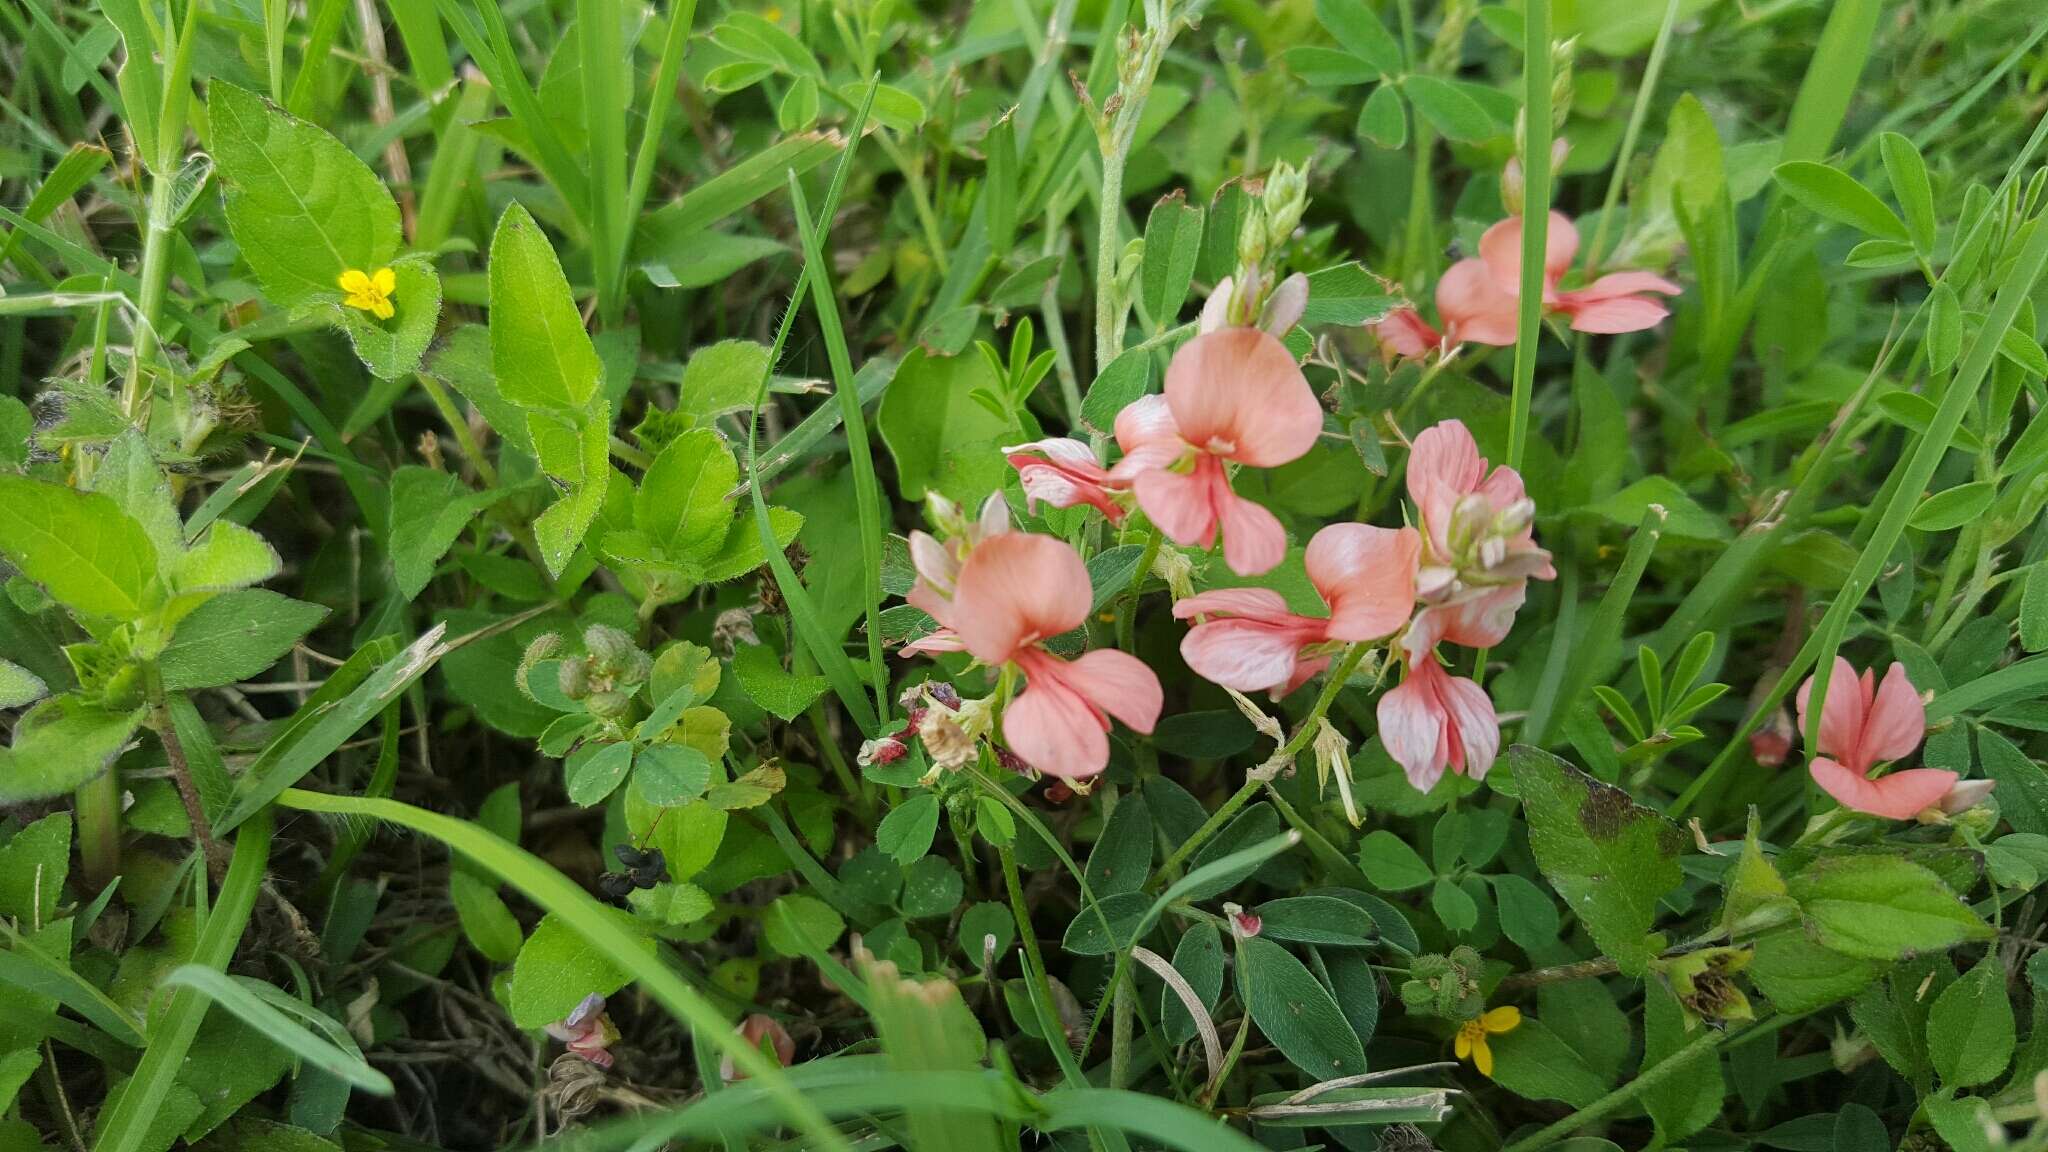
(1536, 129)
(124, 1127)
(26, 968)
(562, 897)
(245, 1005)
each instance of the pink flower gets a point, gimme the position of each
(938, 565)
(1478, 298)
(1232, 396)
(587, 1031)
(1253, 643)
(1012, 591)
(1863, 723)
(1435, 720)
(1063, 472)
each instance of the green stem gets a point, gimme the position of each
(1636, 117)
(1536, 130)
(156, 241)
(97, 807)
(1255, 781)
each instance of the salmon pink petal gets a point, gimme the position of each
(1178, 505)
(1607, 317)
(1474, 728)
(1304, 671)
(1412, 727)
(1898, 796)
(1015, 590)
(1444, 465)
(1117, 683)
(940, 640)
(1841, 715)
(926, 599)
(1062, 472)
(1897, 719)
(1055, 731)
(1367, 577)
(1245, 603)
(1247, 655)
(1253, 540)
(1405, 333)
(1625, 284)
(1501, 249)
(1482, 619)
(1474, 310)
(1237, 392)
(934, 564)
(1145, 422)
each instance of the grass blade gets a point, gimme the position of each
(253, 1010)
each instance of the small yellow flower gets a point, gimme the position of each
(370, 292)
(1471, 1043)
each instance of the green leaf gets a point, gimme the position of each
(558, 967)
(1683, 516)
(302, 207)
(229, 556)
(941, 439)
(1837, 196)
(931, 888)
(1296, 1012)
(33, 865)
(595, 771)
(1954, 507)
(1173, 238)
(60, 744)
(682, 503)
(578, 456)
(797, 925)
(1321, 67)
(1355, 26)
(1199, 960)
(1347, 295)
(1122, 857)
(722, 378)
(393, 348)
(1391, 864)
(234, 636)
(1908, 174)
(1534, 1063)
(15, 1069)
(1527, 914)
(1611, 859)
(1944, 329)
(1121, 381)
(785, 694)
(540, 354)
(1322, 920)
(906, 832)
(2022, 784)
(78, 546)
(19, 687)
(1689, 169)
(666, 775)
(1881, 907)
(1449, 110)
(1970, 1028)
(485, 920)
(1383, 118)
(429, 510)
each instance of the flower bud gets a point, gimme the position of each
(608, 646)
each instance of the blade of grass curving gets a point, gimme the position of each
(680, 16)
(1830, 80)
(860, 453)
(1164, 1121)
(605, 101)
(284, 764)
(491, 48)
(824, 647)
(1819, 650)
(562, 897)
(2024, 679)
(125, 1126)
(1536, 131)
(245, 1005)
(25, 967)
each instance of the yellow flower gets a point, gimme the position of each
(370, 292)
(1471, 1044)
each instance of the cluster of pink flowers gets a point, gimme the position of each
(1478, 298)
(1864, 723)
(1235, 395)
(1459, 578)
